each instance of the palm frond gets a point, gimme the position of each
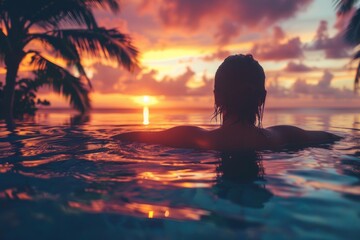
(352, 34)
(109, 42)
(62, 82)
(2, 13)
(344, 6)
(51, 13)
(357, 77)
(356, 55)
(113, 5)
(4, 45)
(64, 49)
(30, 84)
(61, 47)
(82, 73)
(54, 13)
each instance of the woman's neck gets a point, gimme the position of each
(230, 119)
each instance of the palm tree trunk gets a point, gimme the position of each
(357, 77)
(9, 90)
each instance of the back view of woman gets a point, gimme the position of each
(240, 95)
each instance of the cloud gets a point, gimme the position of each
(226, 31)
(107, 79)
(300, 88)
(321, 89)
(297, 67)
(170, 86)
(275, 89)
(278, 48)
(333, 47)
(191, 14)
(223, 19)
(218, 55)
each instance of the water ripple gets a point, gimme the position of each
(70, 174)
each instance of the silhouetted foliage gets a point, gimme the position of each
(68, 30)
(25, 99)
(352, 33)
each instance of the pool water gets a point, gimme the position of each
(62, 176)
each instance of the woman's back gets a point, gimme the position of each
(232, 137)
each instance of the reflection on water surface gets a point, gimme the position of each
(62, 171)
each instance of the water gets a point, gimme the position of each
(63, 177)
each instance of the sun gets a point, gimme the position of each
(146, 99)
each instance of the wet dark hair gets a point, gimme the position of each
(239, 89)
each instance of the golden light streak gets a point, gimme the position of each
(135, 209)
(146, 115)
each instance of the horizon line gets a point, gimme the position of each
(197, 108)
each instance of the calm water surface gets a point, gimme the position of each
(63, 177)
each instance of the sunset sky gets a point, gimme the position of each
(182, 42)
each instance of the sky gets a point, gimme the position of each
(182, 42)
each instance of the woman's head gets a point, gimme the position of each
(240, 89)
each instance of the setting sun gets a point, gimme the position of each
(146, 100)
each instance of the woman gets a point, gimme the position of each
(240, 95)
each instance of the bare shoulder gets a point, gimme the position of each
(291, 135)
(180, 136)
(186, 129)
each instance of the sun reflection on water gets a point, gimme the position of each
(146, 101)
(146, 115)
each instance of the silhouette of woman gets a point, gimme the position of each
(240, 95)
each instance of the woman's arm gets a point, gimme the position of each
(181, 136)
(291, 135)
(321, 137)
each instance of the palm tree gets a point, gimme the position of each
(352, 34)
(65, 28)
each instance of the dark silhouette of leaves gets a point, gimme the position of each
(69, 29)
(352, 33)
(62, 82)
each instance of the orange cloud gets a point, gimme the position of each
(165, 22)
(297, 67)
(320, 90)
(278, 48)
(107, 79)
